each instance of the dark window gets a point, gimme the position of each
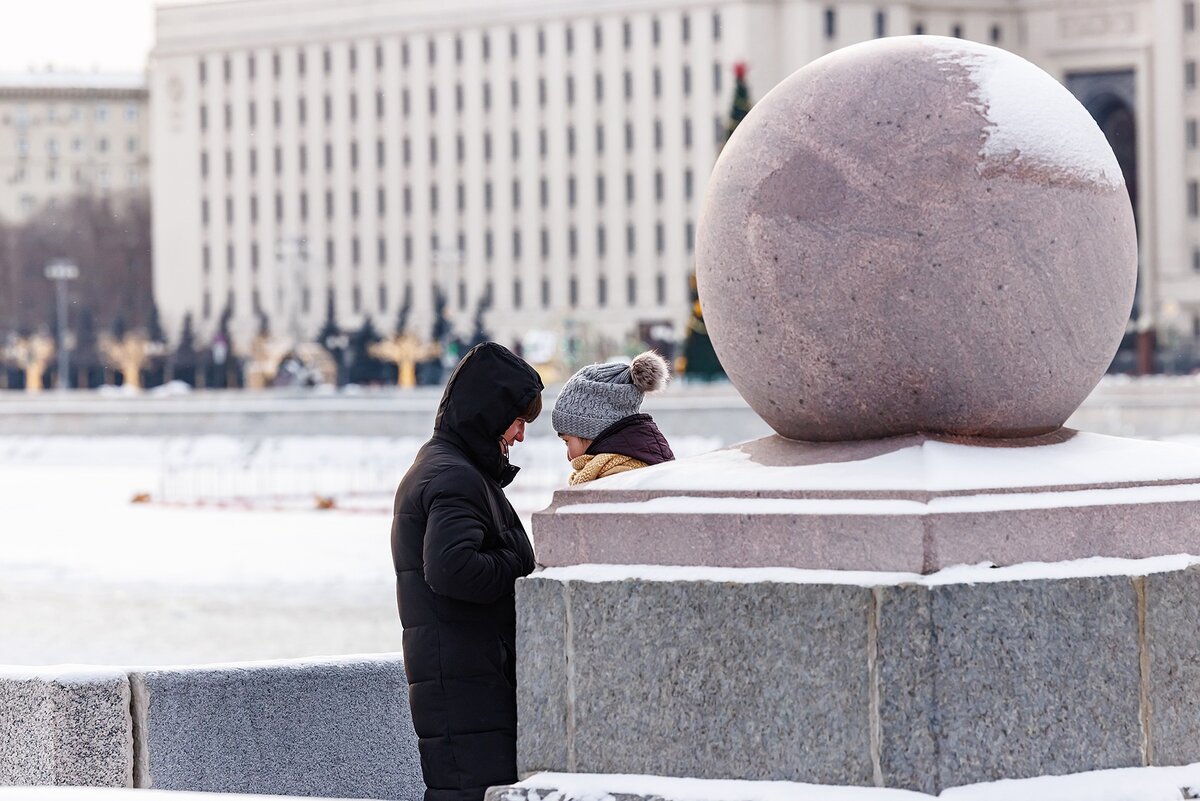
(599, 190)
(628, 136)
(303, 161)
(601, 240)
(572, 242)
(655, 31)
(304, 205)
(598, 36)
(717, 77)
(687, 132)
(514, 140)
(656, 79)
(658, 135)
(408, 249)
(432, 47)
(379, 105)
(1193, 199)
(381, 201)
(599, 87)
(380, 152)
(516, 194)
(573, 291)
(276, 111)
(353, 58)
(458, 97)
(660, 289)
(716, 27)
(602, 291)
(512, 44)
(599, 138)
(830, 23)
(516, 244)
(355, 251)
(404, 102)
(658, 185)
(630, 290)
(687, 80)
(516, 293)
(880, 24)
(995, 34)
(329, 253)
(407, 199)
(1189, 15)
(660, 238)
(571, 140)
(404, 54)
(204, 211)
(203, 117)
(687, 184)
(432, 100)
(489, 246)
(327, 60)
(227, 69)
(545, 292)
(381, 257)
(541, 42)
(353, 105)
(487, 47)
(542, 92)
(487, 96)
(354, 203)
(570, 39)
(328, 205)
(278, 207)
(433, 198)
(487, 195)
(328, 156)
(919, 28)
(1191, 134)
(1189, 74)
(626, 34)
(685, 28)
(433, 150)
(544, 192)
(487, 146)
(630, 239)
(354, 155)
(458, 49)
(378, 61)
(689, 235)
(571, 191)
(228, 116)
(203, 72)
(514, 93)
(628, 84)
(628, 187)
(406, 149)
(300, 62)
(545, 238)
(203, 164)
(956, 31)
(461, 196)
(460, 148)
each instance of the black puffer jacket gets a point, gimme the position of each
(458, 549)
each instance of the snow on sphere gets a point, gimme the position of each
(916, 234)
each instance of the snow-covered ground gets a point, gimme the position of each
(230, 559)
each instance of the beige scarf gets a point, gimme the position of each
(589, 467)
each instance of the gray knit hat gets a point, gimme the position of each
(601, 394)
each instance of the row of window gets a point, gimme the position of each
(685, 35)
(601, 197)
(101, 176)
(459, 98)
(489, 246)
(464, 301)
(460, 148)
(21, 115)
(52, 148)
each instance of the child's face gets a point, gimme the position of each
(576, 446)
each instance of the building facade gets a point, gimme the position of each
(547, 161)
(64, 134)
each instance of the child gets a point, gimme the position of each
(597, 416)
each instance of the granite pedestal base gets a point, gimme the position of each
(909, 684)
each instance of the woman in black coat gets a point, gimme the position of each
(458, 549)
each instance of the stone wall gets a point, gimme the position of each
(906, 686)
(327, 728)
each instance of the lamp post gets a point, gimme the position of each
(60, 271)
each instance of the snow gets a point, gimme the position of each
(63, 674)
(931, 466)
(982, 573)
(1032, 118)
(72, 80)
(602, 787)
(1123, 784)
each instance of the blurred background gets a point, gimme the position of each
(243, 243)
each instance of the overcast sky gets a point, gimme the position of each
(109, 35)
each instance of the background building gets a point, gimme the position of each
(546, 162)
(67, 134)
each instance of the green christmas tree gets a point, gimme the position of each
(699, 359)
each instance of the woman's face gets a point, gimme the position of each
(576, 446)
(513, 434)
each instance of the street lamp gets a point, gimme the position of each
(60, 271)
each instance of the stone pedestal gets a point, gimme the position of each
(916, 613)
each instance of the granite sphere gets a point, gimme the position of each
(916, 234)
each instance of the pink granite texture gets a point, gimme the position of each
(886, 247)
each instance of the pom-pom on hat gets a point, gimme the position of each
(602, 394)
